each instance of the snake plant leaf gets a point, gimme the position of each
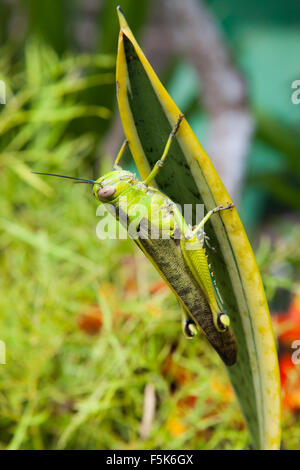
(148, 114)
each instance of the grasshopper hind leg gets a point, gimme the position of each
(199, 267)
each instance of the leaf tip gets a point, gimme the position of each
(122, 19)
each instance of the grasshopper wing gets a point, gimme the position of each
(167, 257)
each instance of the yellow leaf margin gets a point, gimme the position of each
(252, 305)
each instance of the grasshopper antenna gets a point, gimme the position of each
(81, 180)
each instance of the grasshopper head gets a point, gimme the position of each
(110, 186)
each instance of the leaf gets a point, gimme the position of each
(26, 174)
(148, 114)
(39, 241)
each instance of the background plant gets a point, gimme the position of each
(66, 303)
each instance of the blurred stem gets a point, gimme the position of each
(195, 33)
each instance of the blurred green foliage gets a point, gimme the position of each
(62, 387)
(46, 21)
(43, 102)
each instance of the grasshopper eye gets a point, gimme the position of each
(106, 192)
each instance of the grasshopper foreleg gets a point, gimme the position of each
(200, 226)
(159, 164)
(120, 155)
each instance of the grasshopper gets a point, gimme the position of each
(178, 252)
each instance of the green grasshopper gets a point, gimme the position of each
(177, 250)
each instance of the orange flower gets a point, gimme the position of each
(130, 288)
(91, 320)
(290, 383)
(188, 402)
(178, 374)
(225, 391)
(158, 286)
(287, 325)
(175, 422)
(175, 426)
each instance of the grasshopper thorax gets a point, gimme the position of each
(110, 186)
